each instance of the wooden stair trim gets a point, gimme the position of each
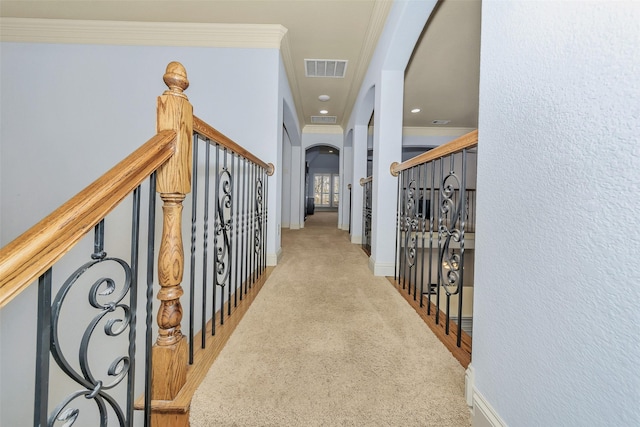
(462, 353)
(204, 358)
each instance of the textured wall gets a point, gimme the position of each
(556, 327)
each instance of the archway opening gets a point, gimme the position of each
(322, 187)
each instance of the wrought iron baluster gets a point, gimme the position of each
(367, 204)
(451, 232)
(192, 266)
(407, 237)
(440, 222)
(396, 272)
(41, 407)
(106, 300)
(414, 232)
(205, 247)
(423, 224)
(405, 215)
(243, 210)
(236, 239)
(149, 302)
(432, 209)
(254, 227)
(364, 217)
(259, 217)
(463, 206)
(98, 241)
(222, 252)
(133, 300)
(216, 226)
(401, 210)
(247, 209)
(266, 221)
(230, 237)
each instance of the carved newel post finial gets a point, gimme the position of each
(176, 79)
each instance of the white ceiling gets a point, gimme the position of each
(442, 77)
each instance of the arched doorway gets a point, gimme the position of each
(322, 183)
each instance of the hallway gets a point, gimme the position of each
(326, 343)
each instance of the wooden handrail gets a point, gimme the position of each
(468, 140)
(363, 181)
(28, 256)
(204, 129)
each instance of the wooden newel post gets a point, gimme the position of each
(173, 183)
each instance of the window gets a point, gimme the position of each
(326, 190)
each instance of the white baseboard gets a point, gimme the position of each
(272, 259)
(356, 240)
(294, 227)
(344, 227)
(285, 225)
(483, 413)
(381, 268)
(469, 380)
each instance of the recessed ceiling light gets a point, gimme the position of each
(324, 98)
(415, 110)
(323, 112)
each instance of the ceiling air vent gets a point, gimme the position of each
(325, 68)
(327, 120)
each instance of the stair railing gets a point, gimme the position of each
(367, 206)
(434, 225)
(103, 378)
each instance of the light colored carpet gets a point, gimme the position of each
(326, 343)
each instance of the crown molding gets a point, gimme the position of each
(326, 129)
(30, 30)
(379, 14)
(435, 131)
(289, 68)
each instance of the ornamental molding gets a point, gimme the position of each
(31, 30)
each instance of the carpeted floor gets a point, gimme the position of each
(326, 343)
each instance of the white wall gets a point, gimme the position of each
(286, 179)
(404, 24)
(347, 179)
(292, 214)
(70, 112)
(55, 99)
(556, 327)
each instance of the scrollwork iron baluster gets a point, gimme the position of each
(257, 239)
(223, 228)
(448, 231)
(93, 388)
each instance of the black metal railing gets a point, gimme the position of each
(228, 203)
(367, 206)
(434, 235)
(88, 324)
